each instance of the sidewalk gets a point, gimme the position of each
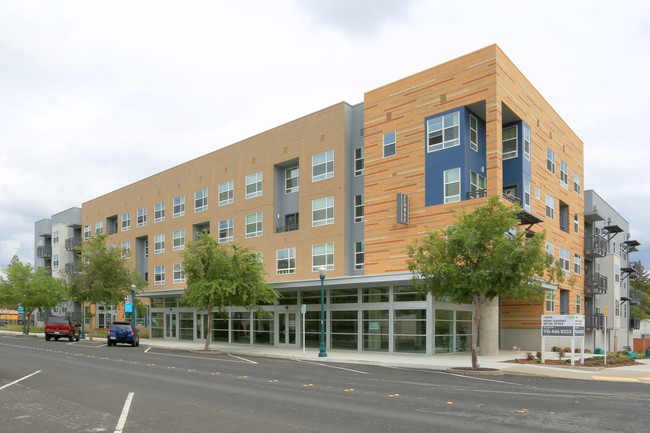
(443, 362)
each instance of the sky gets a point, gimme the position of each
(97, 95)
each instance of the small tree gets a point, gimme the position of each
(484, 255)
(642, 283)
(220, 275)
(29, 288)
(102, 276)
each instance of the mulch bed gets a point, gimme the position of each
(589, 362)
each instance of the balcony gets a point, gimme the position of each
(595, 284)
(70, 268)
(635, 297)
(638, 267)
(635, 323)
(477, 193)
(595, 246)
(594, 321)
(71, 243)
(44, 252)
(288, 228)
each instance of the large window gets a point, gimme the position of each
(226, 192)
(179, 239)
(358, 161)
(285, 261)
(87, 233)
(226, 230)
(254, 225)
(159, 244)
(254, 185)
(565, 260)
(358, 208)
(358, 255)
(126, 221)
(322, 211)
(179, 206)
(375, 327)
(577, 183)
(344, 329)
(527, 194)
(550, 207)
(99, 226)
(201, 200)
(473, 133)
(322, 255)
(526, 142)
(443, 132)
(159, 212)
(291, 180)
(577, 264)
(452, 185)
(564, 174)
(550, 160)
(477, 184)
(550, 301)
(159, 275)
(410, 331)
(509, 141)
(179, 273)
(142, 217)
(126, 250)
(322, 166)
(390, 143)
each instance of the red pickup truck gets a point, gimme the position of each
(58, 327)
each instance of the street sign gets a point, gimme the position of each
(128, 308)
(21, 310)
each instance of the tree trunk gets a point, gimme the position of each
(477, 315)
(27, 318)
(209, 330)
(92, 325)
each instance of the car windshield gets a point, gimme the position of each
(121, 326)
(57, 321)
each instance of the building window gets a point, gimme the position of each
(443, 132)
(322, 255)
(291, 180)
(617, 308)
(179, 239)
(142, 217)
(126, 221)
(87, 233)
(477, 184)
(565, 260)
(254, 225)
(55, 238)
(226, 230)
(179, 273)
(126, 250)
(159, 275)
(390, 143)
(358, 161)
(527, 194)
(358, 208)
(226, 192)
(509, 142)
(564, 174)
(285, 261)
(159, 212)
(201, 200)
(577, 183)
(322, 211)
(179, 206)
(550, 207)
(473, 133)
(99, 227)
(159, 244)
(550, 248)
(358, 255)
(550, 301)
(578, 304)
(322, 166)
(550, 160)
(254, 185)
(537, 193)
(576, 223)
(526, 142)
(55, 261)
(577, 263)
(452, 185)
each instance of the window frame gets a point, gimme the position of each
(358, 208)
(511, 154)
(288, 177)
(257, 225)
(227, 225)
(290, 257)
(178, 269)
(358, 265)
(443, 144)
(550, 301)
(159, 275)
(255, 180)
(577, 183)
(126, 250)
(142, 217)
(389, 144)
(327, 207)
(226, 193)
(358, 161)
(178, 203)
(328, 254)
(178, 238)
(564, 174)
(159, 243)
(328, 160)
(473, 133)
(550, 160)
(526, 139)
(550, 210)
(201, 200)
(159, 212)
(455, 197)
(125, 222)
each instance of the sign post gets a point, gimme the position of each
(21, 310)
(303, 310)
(564, 326)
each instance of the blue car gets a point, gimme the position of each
(122, 332)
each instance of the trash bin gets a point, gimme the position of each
(598, 351)
(647, 352)
(630, 354)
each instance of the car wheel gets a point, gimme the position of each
(77, 338)
(71, 337)
(47, 337)
(133, 343)
(137, 343)
(56, 338)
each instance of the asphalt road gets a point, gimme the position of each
(83, 387)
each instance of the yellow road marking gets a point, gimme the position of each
(616, 379)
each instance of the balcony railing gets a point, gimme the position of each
(71, 243)
(70, 268)
(595, 284)
(595, 246)
(594, 321)
(44, 252)
(635, 297)
(638, 267)
(289, 228)
(477, 193)
(511, 198)
(635, 323)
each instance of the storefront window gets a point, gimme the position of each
(443, 330)
(156, 325)
(409, 330)
(344, 329)
(311, 297)
(408, 293)
(312, 328)
(241, 332)
(263, 328)
(375, 294)
(288, 298)
(344, 296)
(375, 330)
(186, 324)
(220, 327)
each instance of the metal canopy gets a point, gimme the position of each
(528, 218)
(611, 231)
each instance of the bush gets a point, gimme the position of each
(539, 355)
(529, 356)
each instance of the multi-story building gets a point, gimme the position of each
(348, 188)
(55, 240)
(608, 271)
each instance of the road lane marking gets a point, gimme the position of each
(148, 348)
(616, 379)
(16, 381)
(199, 357)
(125, 413)
(243, 359)
(334, 366)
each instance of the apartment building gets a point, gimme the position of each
(608, 272)
(348, 188)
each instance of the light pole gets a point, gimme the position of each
(321, 272)
(135, 324)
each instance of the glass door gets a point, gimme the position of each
(288, 329)
(171, 323)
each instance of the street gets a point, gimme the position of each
(58, 386)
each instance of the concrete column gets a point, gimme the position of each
(489, 327)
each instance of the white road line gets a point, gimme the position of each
(334, 366)
(464, 376)
(243, 359)
(197, 357)
(125, 412)
(148, 348)
(16, 381)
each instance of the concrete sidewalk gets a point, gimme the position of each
(637, 373)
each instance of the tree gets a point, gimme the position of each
(483, 256)
(29, 288)
(642, 283)
(221, 275)
(102, 275)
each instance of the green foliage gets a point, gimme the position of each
(29, 288)
(219, 275)
(643, 284)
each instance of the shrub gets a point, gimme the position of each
(529, 356)
(539, 355)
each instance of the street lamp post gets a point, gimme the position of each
(321, 272)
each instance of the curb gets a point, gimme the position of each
(485, 372)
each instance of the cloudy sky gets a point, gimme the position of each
(97, 95)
